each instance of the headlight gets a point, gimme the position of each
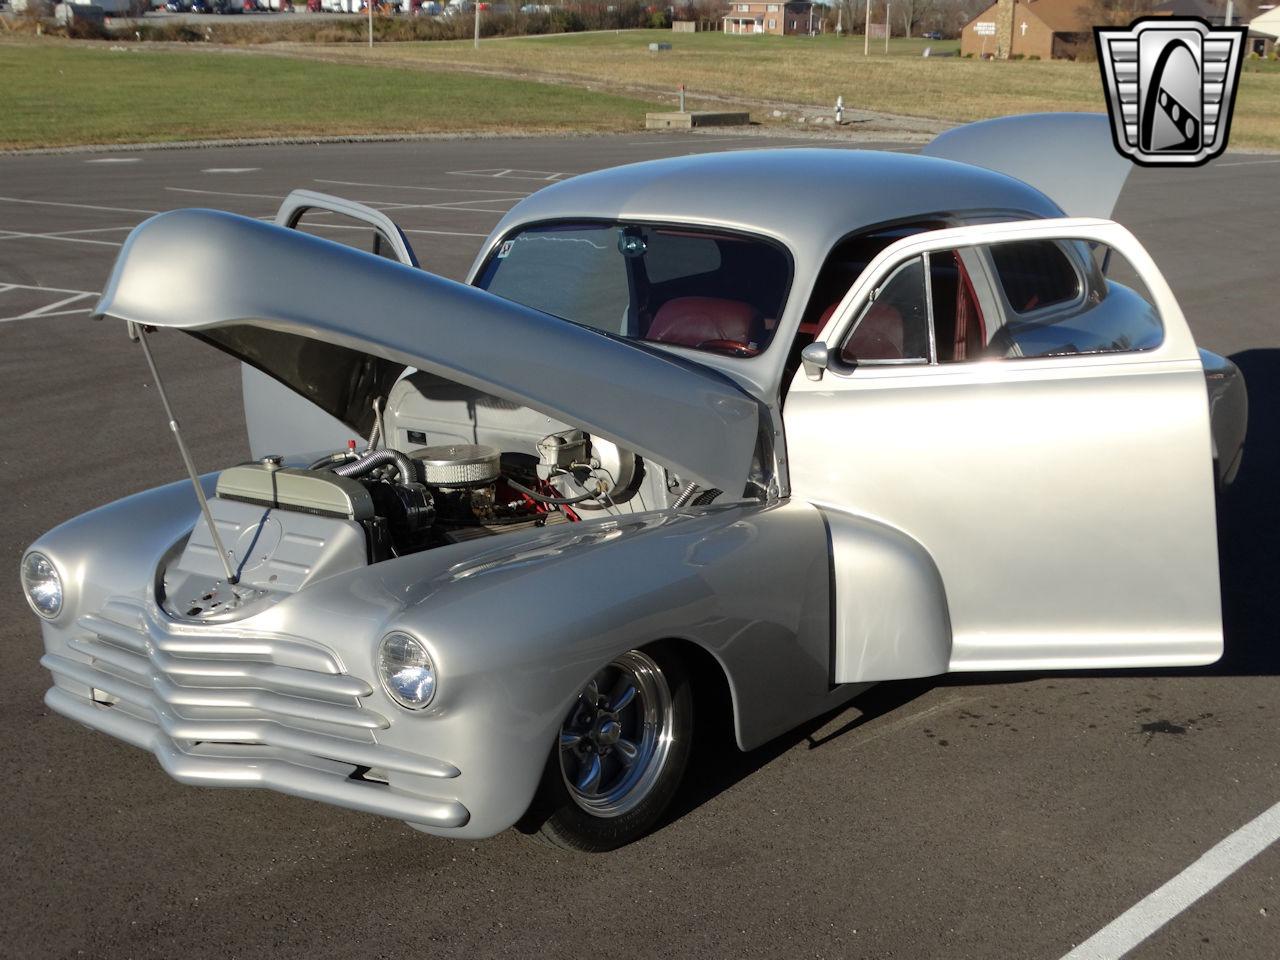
(408, 675)
(42, 585)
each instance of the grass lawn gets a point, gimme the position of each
(817, 70)
(58, 94)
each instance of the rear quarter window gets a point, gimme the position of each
(1035, 274)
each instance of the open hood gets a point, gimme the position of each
(1069, 157)
(339, 326)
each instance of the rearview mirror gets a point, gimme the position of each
(814, 359)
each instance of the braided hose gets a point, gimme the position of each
(379, 458)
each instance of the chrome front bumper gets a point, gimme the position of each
(239, 711)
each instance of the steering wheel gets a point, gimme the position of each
(734, 347)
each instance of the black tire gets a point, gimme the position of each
(557, 818)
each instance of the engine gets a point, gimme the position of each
(285, 527)
(405, 502)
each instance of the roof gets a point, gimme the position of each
(1268, 22)
(807, 198)
(1060, 16)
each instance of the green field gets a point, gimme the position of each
(816, 70)
(58, 94)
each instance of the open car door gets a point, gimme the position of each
(1021, 410)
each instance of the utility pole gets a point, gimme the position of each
(866, 33)
(1231, 5)
(369, 4)
(886, 27)
(477, 6)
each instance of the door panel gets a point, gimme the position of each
(1066, 501)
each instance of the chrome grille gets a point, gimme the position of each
(238, 710)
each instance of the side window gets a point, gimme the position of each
(894, 325)
(1039, 298)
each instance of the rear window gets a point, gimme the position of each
(692, 287)
(1035, 274)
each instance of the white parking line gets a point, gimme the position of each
(401, 186)
(49, 309)
(226, 193)
(116, 160)
(77, 206)
(24, 286)
(378, 204)
(433, 233)
(546, 176)
(70, 233)
(1151, 913)
(230, 169)
(17, 235)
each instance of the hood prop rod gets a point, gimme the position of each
(138, 332)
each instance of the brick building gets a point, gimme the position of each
(779, 19)
(1043, 29)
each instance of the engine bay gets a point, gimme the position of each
(284, 526)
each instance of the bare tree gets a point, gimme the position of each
(1114, 13)
(912, 13)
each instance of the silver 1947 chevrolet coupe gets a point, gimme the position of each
(789, 421)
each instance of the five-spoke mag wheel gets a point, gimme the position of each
(620, 755)
(616, 739)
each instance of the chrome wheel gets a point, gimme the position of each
(617, 738)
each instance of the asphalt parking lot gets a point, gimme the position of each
(983, 816)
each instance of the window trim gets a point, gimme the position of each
(1175, 339)
(837, 358)
(997, 284)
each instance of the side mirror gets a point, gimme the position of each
(814, 358)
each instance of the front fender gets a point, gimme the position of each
(517, 629)
(114, 550)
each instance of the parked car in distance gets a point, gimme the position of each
(200, 6)
(694, 442)
(932, 35)
(227, 7)
(179, 6)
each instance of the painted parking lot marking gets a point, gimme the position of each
(1155, 910)
(230, 169)
(19, 235)
(415, 230)
(378, 204)
(402, 186)
(546, 176)
(74, 206)
(116, 160)
(58, 308)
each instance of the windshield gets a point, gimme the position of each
(706, 289)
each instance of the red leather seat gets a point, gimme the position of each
(878, 337)
(690, 321)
